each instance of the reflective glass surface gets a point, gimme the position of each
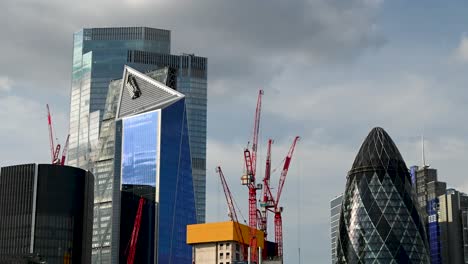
(176, 196)
(380, 222)
(139, 149)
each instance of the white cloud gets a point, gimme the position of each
(5, 84)
(462, 50)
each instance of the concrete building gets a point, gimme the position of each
(451, 227)
(99, 57)
(221, 243)
(335, 209)
(45, 214)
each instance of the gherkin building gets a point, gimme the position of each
(379, 220)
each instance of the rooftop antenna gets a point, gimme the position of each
(423, 153)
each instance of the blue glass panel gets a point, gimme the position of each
(176, 199)
(434, 231)
(139, 149)
(413, 170)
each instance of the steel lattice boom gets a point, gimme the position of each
(232, 209)
(55, 150)
(135, 232)
(278, 209)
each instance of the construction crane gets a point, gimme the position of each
(55, 150)
(278, 209)
(64, 151)
(267, 197)
(136, 229)
(250, 158)
(232, 209)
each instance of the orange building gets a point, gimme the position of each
(220, 243)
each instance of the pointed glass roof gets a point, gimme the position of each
(378, 152)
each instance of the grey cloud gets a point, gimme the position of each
(245, 39)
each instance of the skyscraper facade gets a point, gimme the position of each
(99, 56)
(335, 209)
(154, 165)
(144, 154)
(433, 231)
(427, 188)
(379, 221)
(451, 227)
(45, 211)
(464, 213)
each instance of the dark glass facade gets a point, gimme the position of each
(379, 221)
(156, 165)
(56, 205)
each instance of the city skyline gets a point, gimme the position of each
(325, 68)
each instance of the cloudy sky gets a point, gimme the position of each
(331, 70)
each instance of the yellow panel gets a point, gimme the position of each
(221, 231)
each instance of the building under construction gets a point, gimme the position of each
(252, 239)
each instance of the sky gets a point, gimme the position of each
(331, 70)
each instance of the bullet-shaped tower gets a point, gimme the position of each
(379, 220)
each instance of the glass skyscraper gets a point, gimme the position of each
(379, 221)
(335, 210)
(99, 56)
(146, 129)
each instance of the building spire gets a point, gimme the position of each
(423, 153)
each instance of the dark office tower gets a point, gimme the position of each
(45, 214)
(464, 214)
(379, 221)
(99, 56)
(427, 188)
(335, 209)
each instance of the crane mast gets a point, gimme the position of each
(278, 209)
(51, 136)
(267, 198)
(55, 150)
(136, 230)
(232, 209)
(250, 158)
(64, 151)
(269, 202)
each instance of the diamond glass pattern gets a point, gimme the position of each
(379, 221)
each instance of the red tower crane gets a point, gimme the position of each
(278, 209)
(232, 209)
(136, 230)
(64, 151)
(267, 197)
(250, 158)
(55, 150)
